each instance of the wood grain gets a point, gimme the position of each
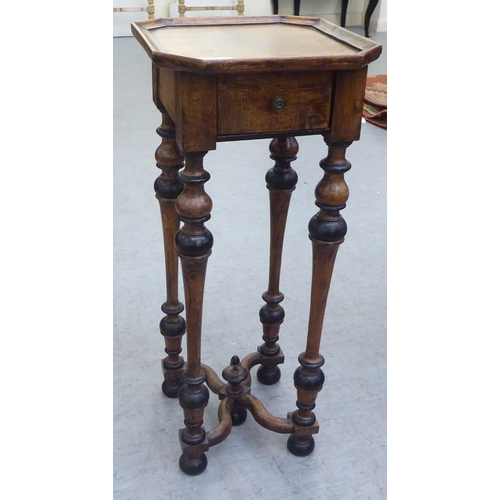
(280, 181)
(245, 102)
(166, 90)
(245, 78)
(241, 44)
(196, 111)
(348, 105)
(168, 187)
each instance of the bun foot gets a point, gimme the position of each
(193, 467)
(268, 375)
(171, 390)
(300, 446)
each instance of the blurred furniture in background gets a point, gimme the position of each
(183, 9)
(368, 14)
(150, 9)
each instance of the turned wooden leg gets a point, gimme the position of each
(326, 231)
(194, 243)
(281, 181)
(168, 187)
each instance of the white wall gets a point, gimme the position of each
(122, 20)
(329, 10)
(379, 18)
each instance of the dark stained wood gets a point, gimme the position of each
(155, 79)
(167, 187)
(218, 79)
(235, 375)
(237, 378)
(245, 105)
(281, 181)
(326, 235)
(326, 231)
(194, 243)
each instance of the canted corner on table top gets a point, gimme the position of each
(366, 51)
(142, 37)
(357, 42)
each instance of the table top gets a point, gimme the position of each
(253, 43)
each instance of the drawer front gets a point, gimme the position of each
(273, 102)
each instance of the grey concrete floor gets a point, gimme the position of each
(349, 461)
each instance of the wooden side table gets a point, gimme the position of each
(222, 79)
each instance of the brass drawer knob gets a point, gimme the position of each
(279, 103)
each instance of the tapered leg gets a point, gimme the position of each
(168, 187)
(368, 15)
(281, 181)
(326, 231)
(275, 6)
(343, 12)
(194, 243)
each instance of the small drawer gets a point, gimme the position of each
(273, 102)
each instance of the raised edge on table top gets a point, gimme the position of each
(307, 43)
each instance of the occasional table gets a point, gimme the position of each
(239, 78)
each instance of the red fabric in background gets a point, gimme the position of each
(375, 103)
